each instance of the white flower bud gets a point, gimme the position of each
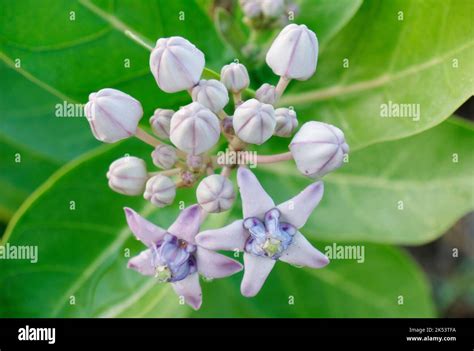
(160, 122)
(176, 64)
(273, 8)
(318, 148)
(235, 77)
(127, 175)
(294, 53)
(194, 129)
(215, 193)
(160, 190)
(164, 156)
(254, 122)
(266, 94)
(113, 115)
(251, 8)
(211, 94)
(286, 122)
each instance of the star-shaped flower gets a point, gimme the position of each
(267, 233)
(173, 256)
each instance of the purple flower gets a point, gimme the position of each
(173, 256)
(267, 233)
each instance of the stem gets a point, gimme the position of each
(222, 114)
(138, 40)
(281, 86)
(237, 98)
(226, 171)
(147, 138)
(168, 172)
(237, 144)
(274, 158)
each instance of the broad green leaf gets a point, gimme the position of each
(81, 258)
(61, 51)
(404, 52)
(344, 288)
(408, 191)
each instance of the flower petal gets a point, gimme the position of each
(255, 200)
(256, 272)
(190, 289)
(297, 210)
(142, 263)
(187, 224)
(231, 237)
(214, 265)
(302, 253)
(147, 232)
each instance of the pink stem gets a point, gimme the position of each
(274, 158)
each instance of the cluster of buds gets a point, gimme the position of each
(182, 145)
(264, 14)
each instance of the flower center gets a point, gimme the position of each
(269, 238)
(173, 259)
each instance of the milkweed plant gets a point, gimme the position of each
(182, 145)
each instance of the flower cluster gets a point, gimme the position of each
(181, 149)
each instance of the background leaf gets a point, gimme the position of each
(361, 200)
(403, 61)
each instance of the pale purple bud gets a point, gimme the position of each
(254, 122)
(127, 175)
(194, 161)
(211, 94)
(160, 190)
(273, 8)
(286, 122)
(164, 156)
(160, 122)
(235, 77)
(176, 64)
(112, 115)
(215, 193)
(318, 148)
(194, 129)
(294, 53)
(251, 8)
(266, 94)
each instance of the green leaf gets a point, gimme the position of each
(426, 58)
(47, 59)
(344, 288)
(82, 258)
(408, 191)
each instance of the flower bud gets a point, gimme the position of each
(235, 77)
(254, 122)
(286, 122)
(176, 64)
(318, 148)
(211, 94)
(113, 115)
(160, 190)
(164, 156)
(273, 8)
(294, 53)
(266, 94)
(195, 162)
(127, 175)
(215, 193)
(251, 8)
(160, 122)
(194, 129)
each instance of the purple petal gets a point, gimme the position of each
(256, 272)
(142, 263)
(255, 200)
(190, 289)
(297, 210)
(187, 224)
(213, 265)
(231, 237)
(302, 253)
(145, 231)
